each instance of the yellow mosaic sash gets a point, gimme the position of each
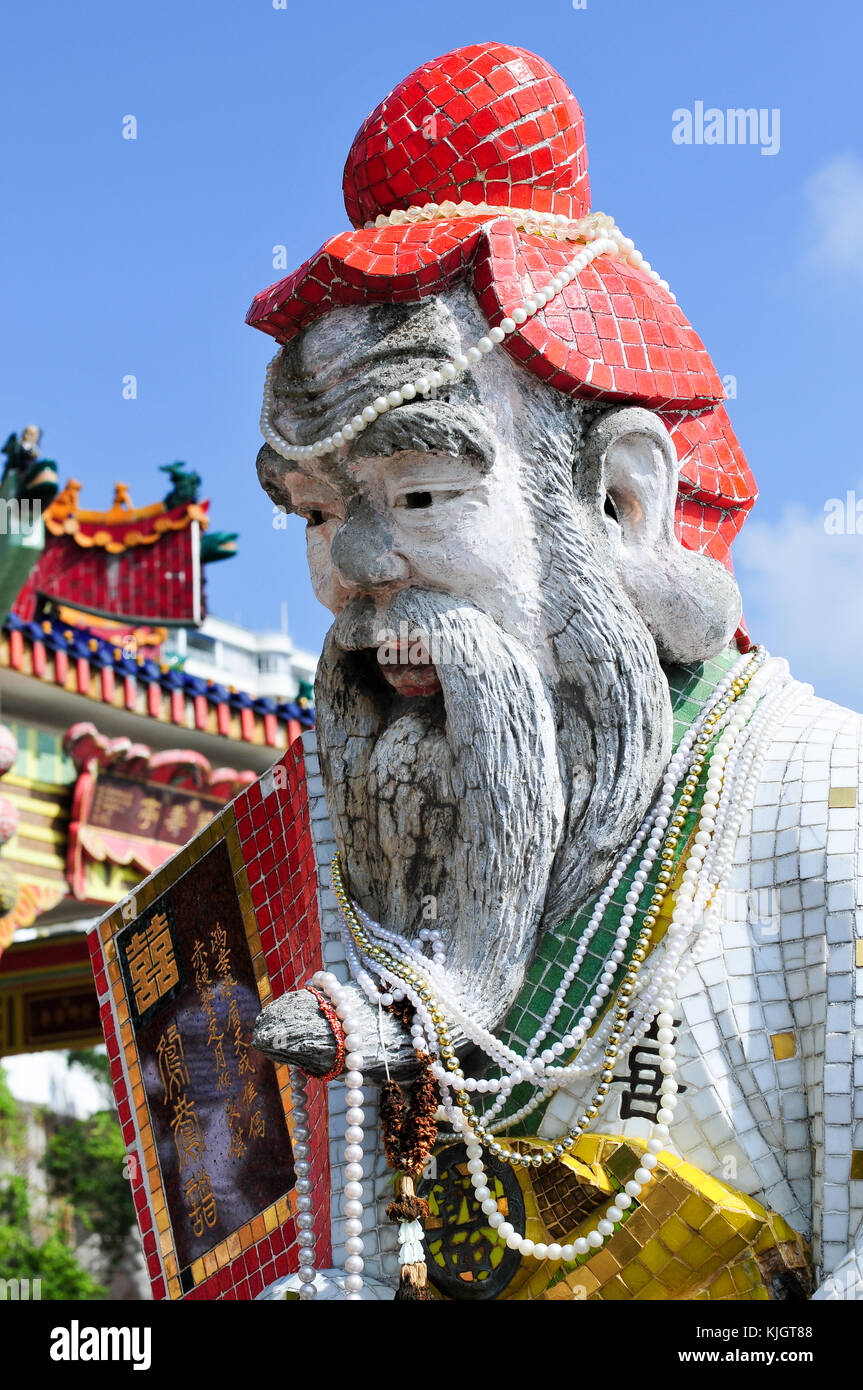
(690, 1236)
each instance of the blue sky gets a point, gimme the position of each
(142, 256)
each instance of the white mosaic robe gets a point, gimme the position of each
(784, 981)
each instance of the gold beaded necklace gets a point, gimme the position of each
(619, 1002)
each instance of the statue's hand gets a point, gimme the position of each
(292, 1029)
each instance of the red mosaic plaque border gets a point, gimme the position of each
(268, 831)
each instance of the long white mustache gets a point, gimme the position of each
(457, 802)
(491, 802)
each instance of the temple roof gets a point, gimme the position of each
(123, 525)
(77, 661)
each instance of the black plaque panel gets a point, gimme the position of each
(214, 1103)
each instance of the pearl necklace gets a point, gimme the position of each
(709, 835)
(699, 735)
(734, 768)
(556, 226)
(742, 769)
(610, 242)
(744, 711)
(352, 1195)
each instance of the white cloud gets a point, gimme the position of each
(803, 598)
(835, 196)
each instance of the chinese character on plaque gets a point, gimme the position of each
(151, 963)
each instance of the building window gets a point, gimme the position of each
(274, 664)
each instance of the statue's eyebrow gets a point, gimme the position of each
(433, 428)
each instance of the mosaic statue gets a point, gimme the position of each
(594, 889)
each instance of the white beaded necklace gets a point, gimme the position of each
(605, 237)
(735, 764)
(555, 226)
(703, 881)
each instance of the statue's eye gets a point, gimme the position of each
(610, 509)
(315, 518)
(420, 500)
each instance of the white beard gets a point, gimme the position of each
(478, 799)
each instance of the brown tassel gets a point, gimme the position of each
(392, 1118)
(408, 1141)
(413, 1279)
(408, 1209)
(413, 1286)
(419, 1129)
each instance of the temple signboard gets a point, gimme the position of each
(133, 808)
(125, 822)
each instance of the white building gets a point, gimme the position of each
(263, 664)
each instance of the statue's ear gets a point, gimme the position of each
(631, 460)
(689, 602)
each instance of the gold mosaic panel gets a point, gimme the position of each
(566, 1194)
(693, 1236)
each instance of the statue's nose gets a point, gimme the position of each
(362, 550)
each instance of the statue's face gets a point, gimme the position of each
(425, 520)
(492, 714)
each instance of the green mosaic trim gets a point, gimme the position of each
(690, 688)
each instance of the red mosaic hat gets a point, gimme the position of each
(470, 170)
